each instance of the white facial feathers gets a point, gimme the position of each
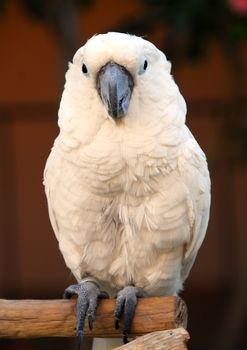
(154, 89)
(127, 50)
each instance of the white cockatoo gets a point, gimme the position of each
(127, 184)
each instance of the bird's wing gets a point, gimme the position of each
(194, 170)
(51, 173)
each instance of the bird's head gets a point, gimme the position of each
(119, 76)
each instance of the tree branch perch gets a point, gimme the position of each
(174, 339)
(56, 318)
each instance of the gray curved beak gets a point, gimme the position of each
(115, 85)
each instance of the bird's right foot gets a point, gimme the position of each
(88, 293)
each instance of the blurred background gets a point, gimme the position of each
(206, 42)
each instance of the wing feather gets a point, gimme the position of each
(194, 170)
(51, 174)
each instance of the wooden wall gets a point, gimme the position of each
(31, 81)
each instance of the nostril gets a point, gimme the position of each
(121, 101)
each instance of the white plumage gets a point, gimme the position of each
(129, 198)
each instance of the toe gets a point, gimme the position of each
(70, 291)
(129, 312)
(125, 303)
(81, 309)
(79, 339)
(91, 311)
(118, 309)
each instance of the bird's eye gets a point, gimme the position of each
(84, 69)
(145, 64)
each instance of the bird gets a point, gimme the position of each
(127, 184)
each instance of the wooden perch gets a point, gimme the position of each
(174, 339)
(56, 318)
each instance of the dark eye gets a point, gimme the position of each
(84, 68)
(145, 64)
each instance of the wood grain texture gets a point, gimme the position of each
(56, 318)
(174, 339)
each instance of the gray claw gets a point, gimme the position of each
(79, 339)
(125, 303)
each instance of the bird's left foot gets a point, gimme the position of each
(126, 303)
